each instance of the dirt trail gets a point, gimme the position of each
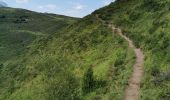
(132, 90)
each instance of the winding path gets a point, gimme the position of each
(133, 88)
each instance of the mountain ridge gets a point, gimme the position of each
(22, 26)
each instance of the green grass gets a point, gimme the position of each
(53, 66)
(146, 23)
(20, 27)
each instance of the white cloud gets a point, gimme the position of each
(51, 6)
(75, 9)
(79, 7)
(21, 1)
(48, 7)
(40, 7)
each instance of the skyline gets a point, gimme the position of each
(74, 8)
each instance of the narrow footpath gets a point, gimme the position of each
(133, 88)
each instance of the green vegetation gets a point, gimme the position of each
(84, 59)
(88, 81)
(20, 27)
(53, 67)
(146, 22)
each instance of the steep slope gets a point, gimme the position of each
(57, 66)
(88, 61)
(146, 22)
(20, 27)
(132, 90)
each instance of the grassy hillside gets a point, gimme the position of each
(86, 60)
(147, 23)
(58, 66)
(20, 27)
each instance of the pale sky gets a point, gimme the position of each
(75, 8)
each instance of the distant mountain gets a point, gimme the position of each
(20, 27)
(3, 4)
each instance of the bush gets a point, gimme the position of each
(64, 87)
(162, 77)
(134, 15)
(1, 67)
(118, 62)
(88, 81)
(165, 95)
(154, 5)
(2, 16)
(155, 71)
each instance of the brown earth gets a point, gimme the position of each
(133, 88)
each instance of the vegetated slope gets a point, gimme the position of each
(87, 61)
(20, 27)
(146, 22)
(83, 61)
(133, 88)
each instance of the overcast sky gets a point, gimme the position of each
(76, 8)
